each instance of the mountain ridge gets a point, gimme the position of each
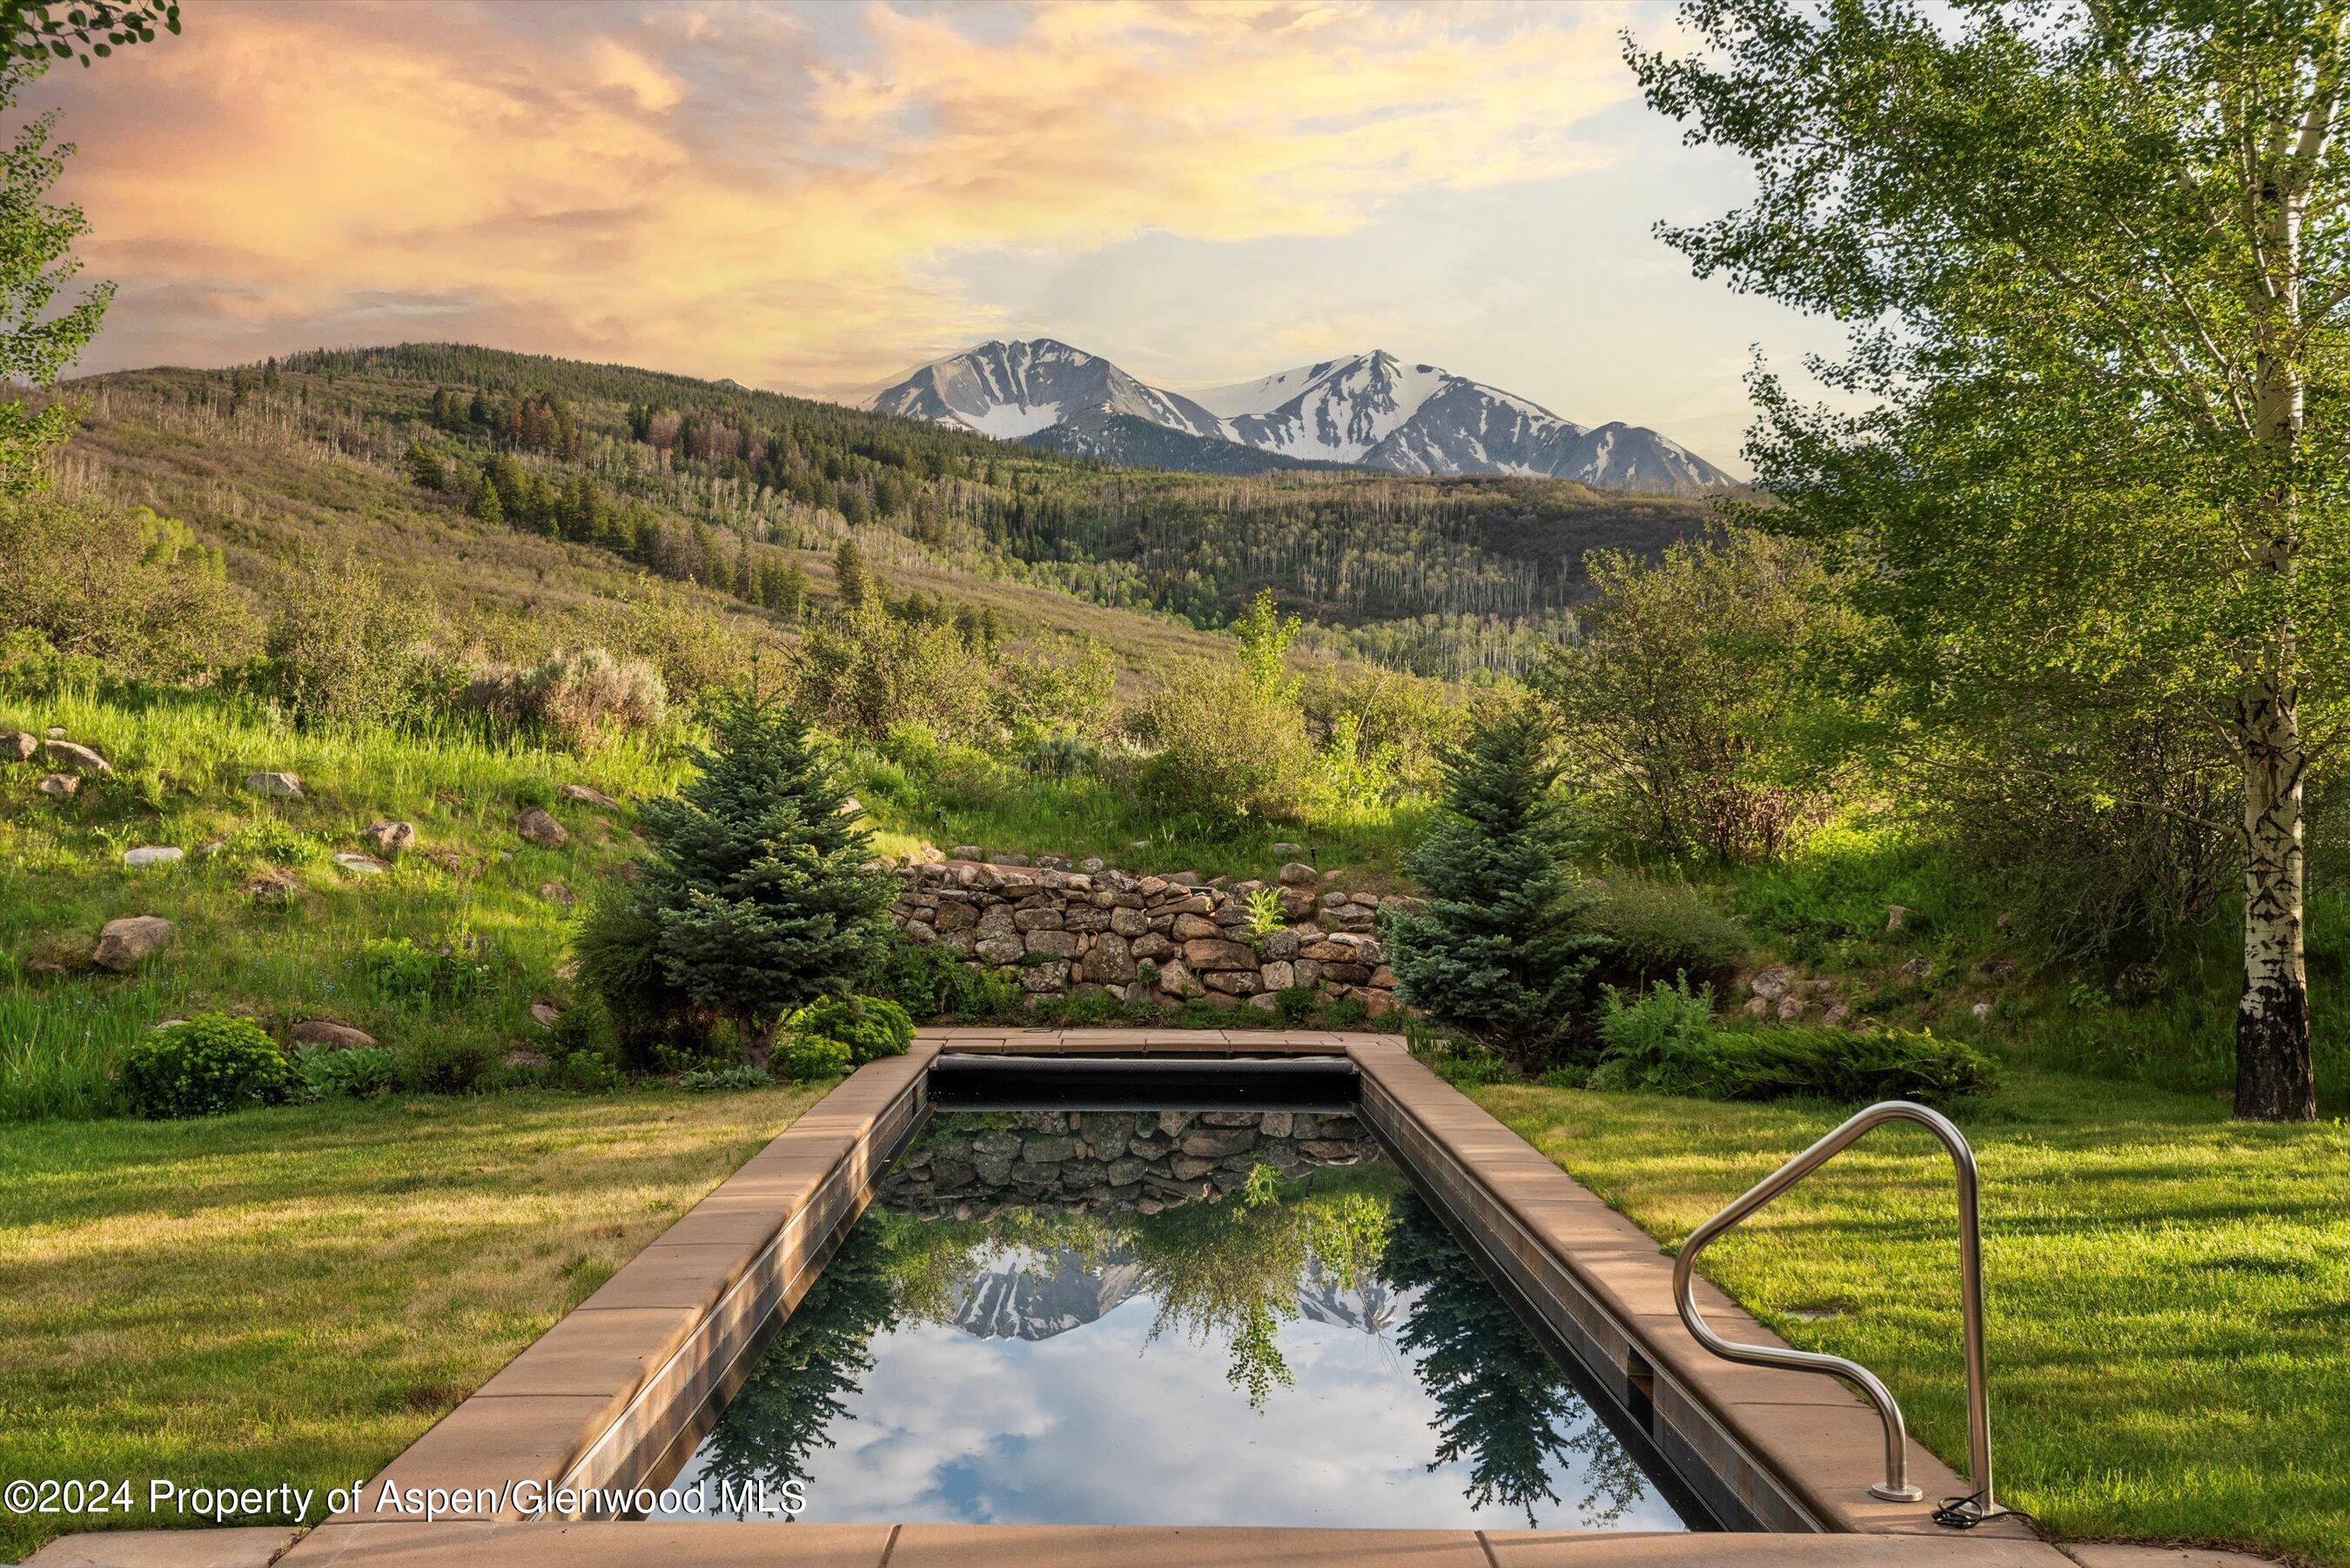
(1371, 410)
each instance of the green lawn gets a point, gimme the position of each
(293, 1295)
(2168, 1290)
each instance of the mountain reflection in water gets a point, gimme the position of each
(1165, 1318)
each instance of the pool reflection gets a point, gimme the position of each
(1165, 1318)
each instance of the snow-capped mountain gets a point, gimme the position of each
(1027, 1293)
(1369, 411)
(1015, 389)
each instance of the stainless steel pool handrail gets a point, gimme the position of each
(1895, 1487)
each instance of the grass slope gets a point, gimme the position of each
(179, 761)
(294, 1295)
(2168, 1290)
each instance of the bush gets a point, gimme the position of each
(925, 979)
(804, 1057)
(205, 1065)
(724, 1080)
(1847, 1064)
(267, 839)
(1656, 930)
(1666, 1041)
(581, 698)
(1227, 749)
(131, 592)
(1687, 703)
(869, 1026)
(355, 1074)
(653, 1024)
(439, 1064)
(1662, 1039)
(344, 648)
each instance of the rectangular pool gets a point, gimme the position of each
(1230, 1317)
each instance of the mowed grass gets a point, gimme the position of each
(293, 1295)
(179, 761)
(2168, 1290)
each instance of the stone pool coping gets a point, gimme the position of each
(614, 1382)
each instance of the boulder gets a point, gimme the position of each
(1208, 954)
(60, 784)
(1176, 981)
(153, 854)
(285, 786)
(18, 746)
(545, 1013)
(1190, 928)
(1297, 874)
(1052, 944)
(390, 838)
(328, 1034)
(966, 852)
(584, 795)
(359, 865)
(272, 884)
(72, 759)
(557, 894)
(1284, 848)
(1278, 975)
(1895, 916)
(1772, 983)
(124, 944)
(534, 825)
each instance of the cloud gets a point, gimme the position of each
(791, 197)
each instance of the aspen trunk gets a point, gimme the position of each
(2275, 1076)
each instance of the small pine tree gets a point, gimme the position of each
(756, 886)
(1499, 949)
(486, 505)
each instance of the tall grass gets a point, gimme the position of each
(180, 759)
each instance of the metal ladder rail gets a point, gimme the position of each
(1895, 1487)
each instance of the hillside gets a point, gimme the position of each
(722, 490)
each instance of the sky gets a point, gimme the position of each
(818, 198)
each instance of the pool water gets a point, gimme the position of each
(1163, 1318)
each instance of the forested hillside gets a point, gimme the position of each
(714, 485)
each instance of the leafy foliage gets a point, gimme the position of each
(204, 1065)
(871, 1027)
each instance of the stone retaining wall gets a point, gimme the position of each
(1111, 1160)
(1094, 928)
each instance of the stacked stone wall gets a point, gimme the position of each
(1061, 930)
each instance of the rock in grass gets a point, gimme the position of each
(534, 825)
(544, 1014)
(18, 746)
(587, 796)
(966, 852)
(58, 785)
(327, 1032)
(285, 786)
(272, 884)
(124, 944)
(391, 837)
(359, 865)
(73, 759)
(1297, 874)
(153, 854)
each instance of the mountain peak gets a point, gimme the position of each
(1373, 408)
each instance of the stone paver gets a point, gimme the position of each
(2122, 1554)
(243, 1547)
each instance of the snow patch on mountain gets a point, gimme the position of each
(1373, 411)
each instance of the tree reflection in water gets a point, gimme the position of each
(1235, 1270)
(1502, 1402)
